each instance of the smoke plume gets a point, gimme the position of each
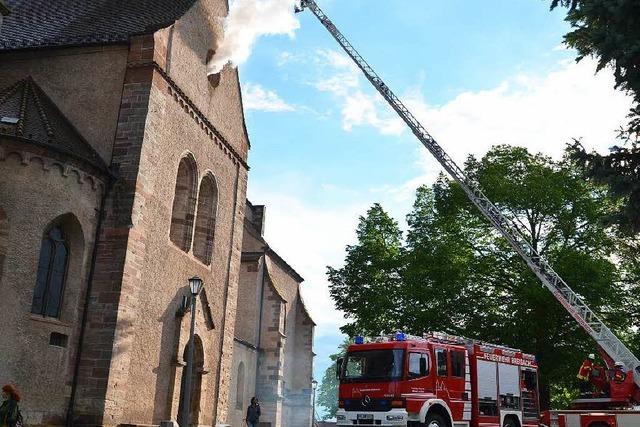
(247, 21)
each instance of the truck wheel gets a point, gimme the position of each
(435, 420)
(510, 423)
(599, 424)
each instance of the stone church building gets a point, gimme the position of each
(273, 355)
(123, 172)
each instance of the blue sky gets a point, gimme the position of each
(325, 146)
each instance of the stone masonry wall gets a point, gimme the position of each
(37, 189)
(106, 356)
(269, 384)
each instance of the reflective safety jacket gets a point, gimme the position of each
(585, 370)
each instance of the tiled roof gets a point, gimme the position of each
(27, 113)
(49, 23)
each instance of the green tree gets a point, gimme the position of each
(369, 285)
(610, 32)
(328, 388)
(459, 275)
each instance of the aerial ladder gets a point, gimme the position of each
(611, 348)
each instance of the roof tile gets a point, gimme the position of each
(53, 23)
(28, 114)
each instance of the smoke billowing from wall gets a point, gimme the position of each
(247, 21)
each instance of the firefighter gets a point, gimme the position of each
(584, 374)
(619, 374)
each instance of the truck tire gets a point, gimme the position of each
(510, 423)
(435, 420)
(599, 424)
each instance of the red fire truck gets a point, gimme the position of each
(437, 380)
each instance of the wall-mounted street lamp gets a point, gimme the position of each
(195, 286)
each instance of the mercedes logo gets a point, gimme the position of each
(366, 401)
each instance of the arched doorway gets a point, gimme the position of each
(196, 382)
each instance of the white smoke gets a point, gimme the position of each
(247, 21)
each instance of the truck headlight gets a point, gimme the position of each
(395, 417)
(341, 417)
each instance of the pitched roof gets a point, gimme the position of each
(303, 307)
(27, 113)
(50, 23)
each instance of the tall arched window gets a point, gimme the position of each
(240, 387)
(184, 202)
(52, 268)
(206, 221)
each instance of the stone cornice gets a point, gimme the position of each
(245, 343)
(179, 95)
(96, 181)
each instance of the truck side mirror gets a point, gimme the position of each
(339, 367)
(423, 367)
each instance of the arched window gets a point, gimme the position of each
(52, 268)
(206, 221)
(240, 387)
(184, 201)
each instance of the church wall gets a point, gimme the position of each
(170, 133)
(297, 357)
(188, 43)
(238, 407)
(35, 192)
(299, 392)
(85, 83)
(249, 289)
(132, 325)
(269, 384)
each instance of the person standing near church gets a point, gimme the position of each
(253, 413)
(9, 412)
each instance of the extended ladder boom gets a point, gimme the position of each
(587, 319)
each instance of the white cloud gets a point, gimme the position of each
(255, 97)
(342, 78)
(539, 113)
(285, 58)
(542, 113)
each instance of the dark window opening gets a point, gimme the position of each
(184, 203)
(441, 360)
(457, 364)
(373, 365)
(52, 268)
(488, 407)
(214, 78)
(58, 340)
(415, 370)
(206, 220)
(529, 385)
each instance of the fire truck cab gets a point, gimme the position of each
(437, 380)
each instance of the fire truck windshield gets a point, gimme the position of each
(373, 365)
